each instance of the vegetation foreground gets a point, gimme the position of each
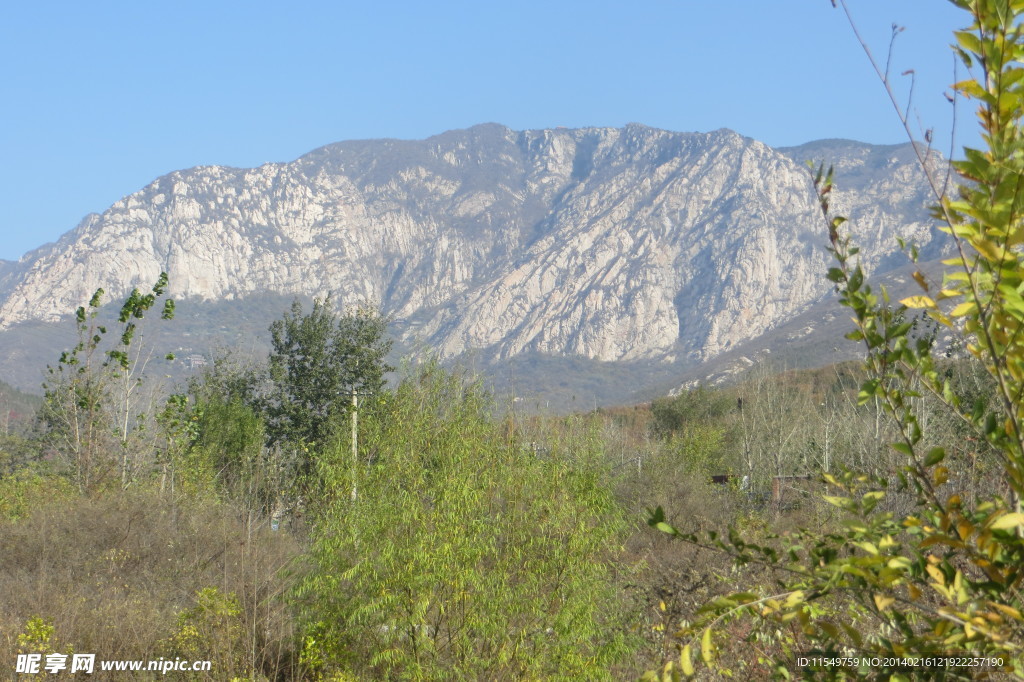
(457, 539)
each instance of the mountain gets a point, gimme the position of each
(601, 245)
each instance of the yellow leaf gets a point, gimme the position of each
(841, 502)
(1007, 521)
(685, 660)
(883, 602)
(958, 588)
(962, 309)
(1008, 610)
(794, 598)
(867, 547)
(990, 251)
(918, 302)
(705, 646)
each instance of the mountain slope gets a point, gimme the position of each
(630, 244)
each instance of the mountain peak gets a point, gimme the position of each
(605, 243)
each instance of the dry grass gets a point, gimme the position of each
(114, 574)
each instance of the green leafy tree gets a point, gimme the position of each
(90, 412)
(216, 438)
(465, 555)
(672, 415)
(319, 361)
(230, 452)
(946, 576)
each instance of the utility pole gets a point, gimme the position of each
(355, 440)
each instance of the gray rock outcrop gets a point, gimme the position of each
(611, 244)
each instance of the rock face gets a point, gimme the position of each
(611, 244)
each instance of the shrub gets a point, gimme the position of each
(464, 554)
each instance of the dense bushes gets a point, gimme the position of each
(465, 554)
(480, 544)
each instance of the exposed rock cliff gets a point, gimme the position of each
(611, 244)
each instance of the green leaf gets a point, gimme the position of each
(903, 448)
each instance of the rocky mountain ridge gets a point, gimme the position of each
(613, 244)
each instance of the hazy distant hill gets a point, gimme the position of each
(658, 249)
(17, 409)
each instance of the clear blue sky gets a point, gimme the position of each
(100, 98)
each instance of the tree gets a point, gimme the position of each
(318, 363)
(90, 411)
(228, 450)
(466, 555)
(673, 414)
(946, 576)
